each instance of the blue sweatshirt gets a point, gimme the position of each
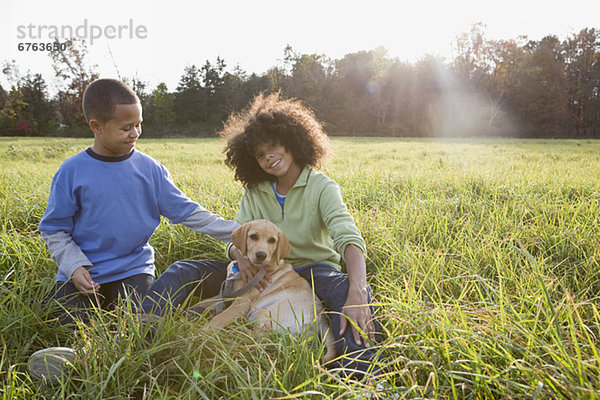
(109, 208)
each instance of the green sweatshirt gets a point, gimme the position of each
(315, 220)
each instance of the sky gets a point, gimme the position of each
(155, 40)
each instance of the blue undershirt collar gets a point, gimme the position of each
(280, 198)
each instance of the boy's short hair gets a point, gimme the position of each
(271, 119)
(102, 96)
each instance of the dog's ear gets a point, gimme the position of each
(283, 246)
(239, 237)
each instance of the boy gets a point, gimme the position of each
(105, 203)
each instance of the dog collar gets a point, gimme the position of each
(226, 289)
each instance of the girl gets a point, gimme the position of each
(272, 148)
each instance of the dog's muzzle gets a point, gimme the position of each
(260, 255)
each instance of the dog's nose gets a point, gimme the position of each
(261, 255)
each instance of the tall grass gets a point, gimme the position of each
(483, 256)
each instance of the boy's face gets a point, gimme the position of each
(117, 136)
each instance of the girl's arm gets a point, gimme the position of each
(350, 244)
(357, 304)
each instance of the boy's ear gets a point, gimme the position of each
(239, 237)
(283, 246)
(95, 126)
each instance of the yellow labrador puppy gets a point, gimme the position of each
(288, 302)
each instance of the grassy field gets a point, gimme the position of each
(483, 256)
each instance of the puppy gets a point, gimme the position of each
(288, 302)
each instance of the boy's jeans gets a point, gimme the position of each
(203, 278)
(78, 304)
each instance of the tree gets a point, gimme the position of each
(236, 91)
(424, 93)
(213, 78)
(506, 58)
(13, 105)
(12, 115)
(161, 107)
(141, 90)
(256, 84)
(358, 79)
(189, 97)
(25, 110)
(582, 54)
(3, 96)
(308, 79)
(475, 106)
(473, 56)
(74, 75)
(541, 91)
(398, 89)
(274, 79)
(39, 108)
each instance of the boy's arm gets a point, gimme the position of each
(180, 209)
(55, 228)
(203, 221)
(66, 252)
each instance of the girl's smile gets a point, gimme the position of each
(275, 164)
(275, 160)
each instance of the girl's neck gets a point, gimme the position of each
(286, 182)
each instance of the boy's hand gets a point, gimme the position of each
(83, 281)
(247, 269)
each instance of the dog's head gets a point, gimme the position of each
(261, 241)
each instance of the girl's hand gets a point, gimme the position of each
(357, 309)
(357, 304)
(83, 281)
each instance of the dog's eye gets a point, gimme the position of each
(254, 236)
(272, 241)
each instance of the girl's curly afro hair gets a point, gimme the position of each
(270, 119)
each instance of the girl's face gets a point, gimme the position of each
(275, 160)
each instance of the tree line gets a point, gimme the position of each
(515, 87)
